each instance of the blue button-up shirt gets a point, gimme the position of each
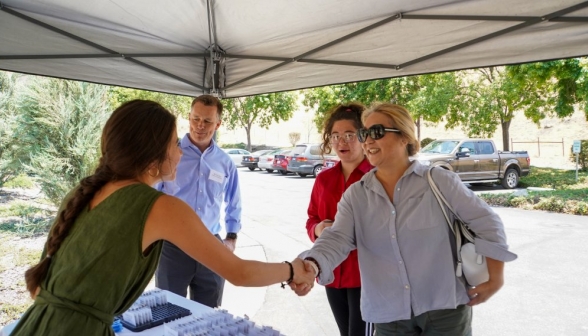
(204, 181)
(405, 247)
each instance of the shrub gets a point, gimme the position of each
(581, 208)
(582, 156)
(550, 204)
(10, 160)
(239, 145)
(61, 126)
(22, 181)
(518, 202)
(426, 141)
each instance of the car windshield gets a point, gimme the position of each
(440, 147)
(260, 152)
(274, 152)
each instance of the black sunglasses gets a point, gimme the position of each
(375, 132)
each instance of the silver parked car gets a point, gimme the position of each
(307, 160)
(266, 160)
(236, 155)
(251, 161)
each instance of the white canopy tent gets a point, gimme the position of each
(260, 46)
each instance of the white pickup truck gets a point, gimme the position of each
(477, 161)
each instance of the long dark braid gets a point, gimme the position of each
(136, 135)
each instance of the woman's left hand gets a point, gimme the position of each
(483, 292)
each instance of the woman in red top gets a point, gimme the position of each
(339, 135)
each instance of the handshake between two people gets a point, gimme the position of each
(305, 273)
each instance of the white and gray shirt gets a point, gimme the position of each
(405, 247)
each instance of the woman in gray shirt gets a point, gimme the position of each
(406, 257)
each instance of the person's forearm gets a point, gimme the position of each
(495, 270)
(256, 274)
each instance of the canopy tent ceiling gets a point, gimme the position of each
(259, 46)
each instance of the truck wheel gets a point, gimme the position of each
(269, 170)
(284, 172)
(511, 179)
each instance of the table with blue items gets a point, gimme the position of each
(159, 312)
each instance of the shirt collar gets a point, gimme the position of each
(186, 143)
(417, 168)
(370, 181)
(364, 166)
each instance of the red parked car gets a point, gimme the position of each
(281, 162)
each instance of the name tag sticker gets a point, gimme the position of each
(216, 176)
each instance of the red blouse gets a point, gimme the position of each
(328, 189)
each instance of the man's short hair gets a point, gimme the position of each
(208, 100)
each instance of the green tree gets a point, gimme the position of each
(61, 122)
(262, 110)
(10, 158)
(568, 79)
(494, 95)
(178, 105)
(428, 97)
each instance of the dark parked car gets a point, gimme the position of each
(251, 161)
(307, 160)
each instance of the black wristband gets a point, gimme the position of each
(231, 235)
(291, 275)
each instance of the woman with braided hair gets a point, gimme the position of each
(104, 246)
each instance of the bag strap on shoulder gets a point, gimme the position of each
(456, 227)
(465, 231)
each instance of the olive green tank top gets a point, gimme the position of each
(99, 270)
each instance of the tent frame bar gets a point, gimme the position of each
(94, 45)
(525, 21)
(320, 48)
(525, 24)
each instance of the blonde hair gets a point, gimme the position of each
(401, 120)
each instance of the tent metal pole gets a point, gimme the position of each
(533, 21)
(55, 29)
(95, 45)
(466, 17)
(211, 47)
(318, 61)
(24, 57)
(357, 64)
(324, 46)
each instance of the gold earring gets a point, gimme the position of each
(156, 174)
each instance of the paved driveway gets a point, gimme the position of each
(546, 290)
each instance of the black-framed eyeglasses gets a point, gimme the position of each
(375, 132)
(347, 137)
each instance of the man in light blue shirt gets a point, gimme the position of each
(206, 176)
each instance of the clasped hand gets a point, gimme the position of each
(304, 276)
